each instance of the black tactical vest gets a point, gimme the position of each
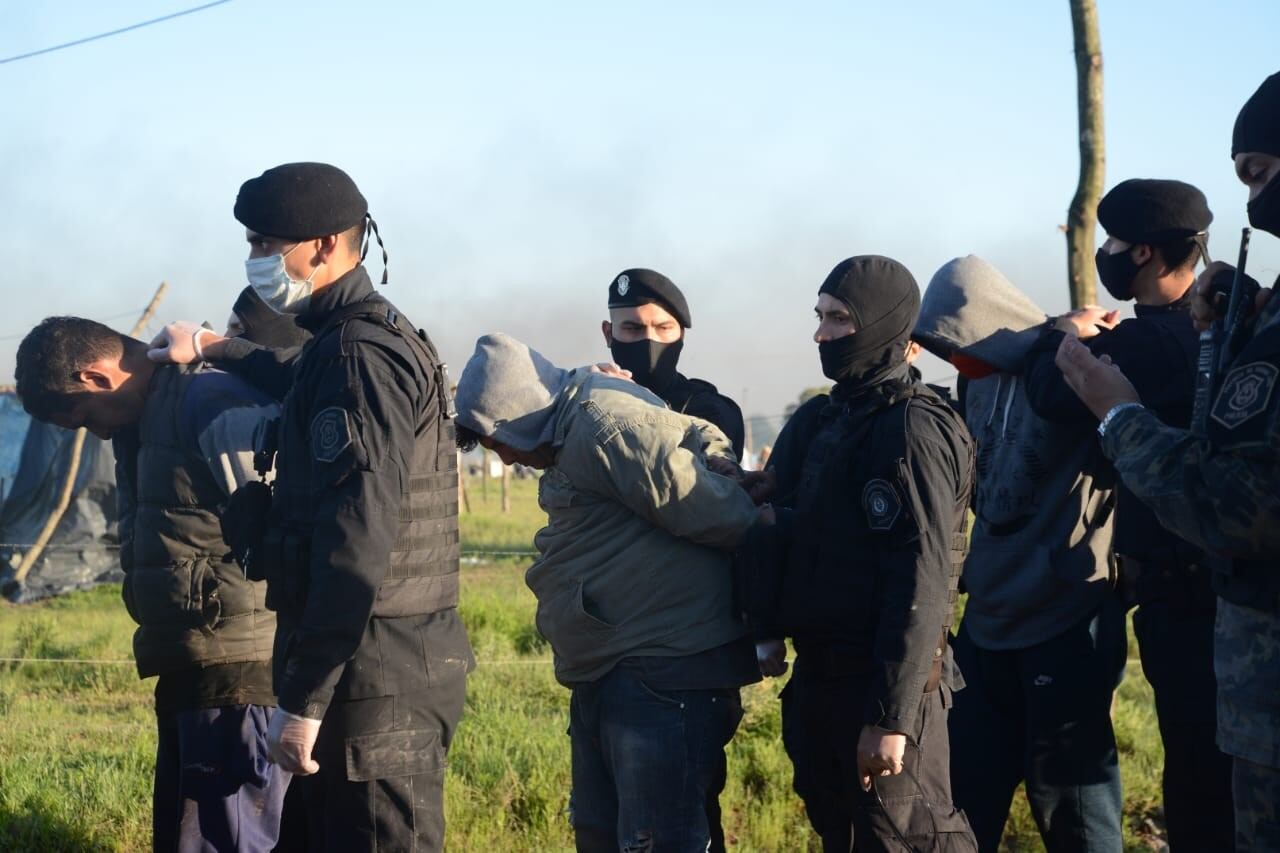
(193, 604)
(423, 573)
(831, 587)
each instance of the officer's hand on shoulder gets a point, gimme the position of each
(183, 342)
(1092, 319)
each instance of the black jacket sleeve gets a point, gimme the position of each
(363, 419)
(915, 566)
(724, 413)
(268, 370)
(1135, 346)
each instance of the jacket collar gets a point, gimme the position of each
(352, 287)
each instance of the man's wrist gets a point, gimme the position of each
(1105, 423)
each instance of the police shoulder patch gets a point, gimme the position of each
(330, 433)
(1245, 393)
(880, 501)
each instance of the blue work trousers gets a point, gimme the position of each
(215, 790)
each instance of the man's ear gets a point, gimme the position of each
(93, 379)
(606, 329)
(1141, 253)
(325, 247)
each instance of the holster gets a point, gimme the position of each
(244, 524)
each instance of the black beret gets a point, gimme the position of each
(641, 287)
(1149, 211)
(300, 201)
(1258, 125)
(873, 287)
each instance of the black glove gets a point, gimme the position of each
(1219, 292)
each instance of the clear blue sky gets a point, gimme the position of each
(518, 155)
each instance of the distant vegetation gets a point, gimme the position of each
(77, 741)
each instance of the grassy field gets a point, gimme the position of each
(77, 740)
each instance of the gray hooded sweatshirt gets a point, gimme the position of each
(1039, 559)
(635, 558)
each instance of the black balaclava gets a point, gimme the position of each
(264, 326)
(884, 300)
(1257, 130)
(652, 363)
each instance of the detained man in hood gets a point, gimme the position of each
(1218, 484)
(634, 586)
(645, 332)
(1156, 231)
(873, 480)
(1042, 644)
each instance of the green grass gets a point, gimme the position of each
(78, 741)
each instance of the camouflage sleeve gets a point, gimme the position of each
(1223, 499)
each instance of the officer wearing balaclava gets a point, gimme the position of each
(360, 552)
(872, 487)
(1221, 490)
(645, 334)
(1156, 234)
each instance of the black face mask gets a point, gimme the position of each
(1264, 211)
(1117, 273)
(652, 363)
(860, 361)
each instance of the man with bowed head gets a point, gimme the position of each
(1221, 490)
(634, 588)
(360, 553)
(873, 482)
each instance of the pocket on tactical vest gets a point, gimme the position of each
(386, 755)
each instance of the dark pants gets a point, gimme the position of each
(646, 763)
(1042, 715)
(821, 722)
(215, 790)
(381, 780)
(1257, 807)
(1176, 645)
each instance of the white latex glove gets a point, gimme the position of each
(772, 657)
(176, 342)
(290, 739)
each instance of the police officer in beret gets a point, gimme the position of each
(1156, 234)
(861, 572)
(361, 548)
(1221, 490)
(645, 333)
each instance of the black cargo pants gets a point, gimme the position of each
(821, 722)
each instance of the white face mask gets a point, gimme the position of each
(268, 278)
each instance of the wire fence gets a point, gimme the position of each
(130, 662)
(111, 546)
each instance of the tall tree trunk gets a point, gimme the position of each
(1082, 218)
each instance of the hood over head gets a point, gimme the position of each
(509, 393)
(971, 309)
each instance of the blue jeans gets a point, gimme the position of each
(1042, 715)
(645, 762)
(215, 789)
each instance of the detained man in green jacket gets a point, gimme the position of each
(633, 583)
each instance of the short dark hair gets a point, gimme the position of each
(467, 438)
(355, 235)
(51, 355)
(1179, 254)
